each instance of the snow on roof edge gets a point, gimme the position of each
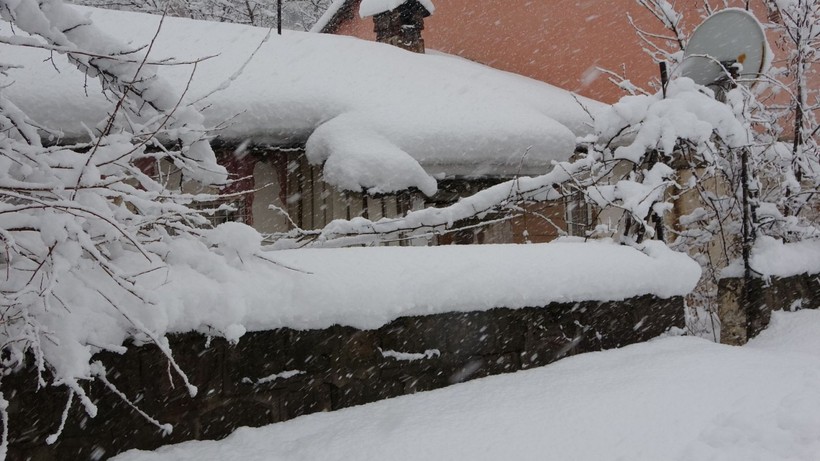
(368, 8)
(328, 16)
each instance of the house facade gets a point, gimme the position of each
(565, 43)
(289, 193)
(317, 127)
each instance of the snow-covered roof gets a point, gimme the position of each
(373, 7)
(366, 8)
(381, 117)
(325, 19)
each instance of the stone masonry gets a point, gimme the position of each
(741, 321)
(243, 385)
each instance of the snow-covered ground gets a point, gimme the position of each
(674, 398)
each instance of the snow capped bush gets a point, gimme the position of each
(736, 180)
(235, 241)
(83, 226)
(651, 122)
(630, 158)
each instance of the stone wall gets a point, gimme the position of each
(741, 321)
(337, 367)
(402, 26)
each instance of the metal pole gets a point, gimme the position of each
(279, 17)
(664, 77)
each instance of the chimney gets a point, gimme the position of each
(402, 26)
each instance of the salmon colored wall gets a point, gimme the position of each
(557, 41)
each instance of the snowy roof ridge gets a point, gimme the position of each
(369, 8)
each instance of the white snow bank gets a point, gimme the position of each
(382, 284)
(773, 258)
(369, 287)
(236, 288)
(373, 7)
(660, 122)
(792, 332)
(679, 398)
(422, 114)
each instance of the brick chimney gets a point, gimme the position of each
(402, 26)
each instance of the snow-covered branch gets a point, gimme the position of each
(497, 199)
(82, 225)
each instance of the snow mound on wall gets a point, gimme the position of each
(382, 284)
(373, 7)
(425, 114)
(773, 258)
(370, 287)
(239, 288)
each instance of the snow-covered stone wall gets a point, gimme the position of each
(739, 325)
(787, 278)
(276, 375)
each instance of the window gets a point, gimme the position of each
(578, 215)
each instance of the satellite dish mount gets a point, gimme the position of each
(727, 48)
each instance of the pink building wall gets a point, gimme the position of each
(561, 42)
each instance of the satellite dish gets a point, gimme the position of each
(730, 40)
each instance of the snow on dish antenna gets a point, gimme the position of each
(730, 40)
